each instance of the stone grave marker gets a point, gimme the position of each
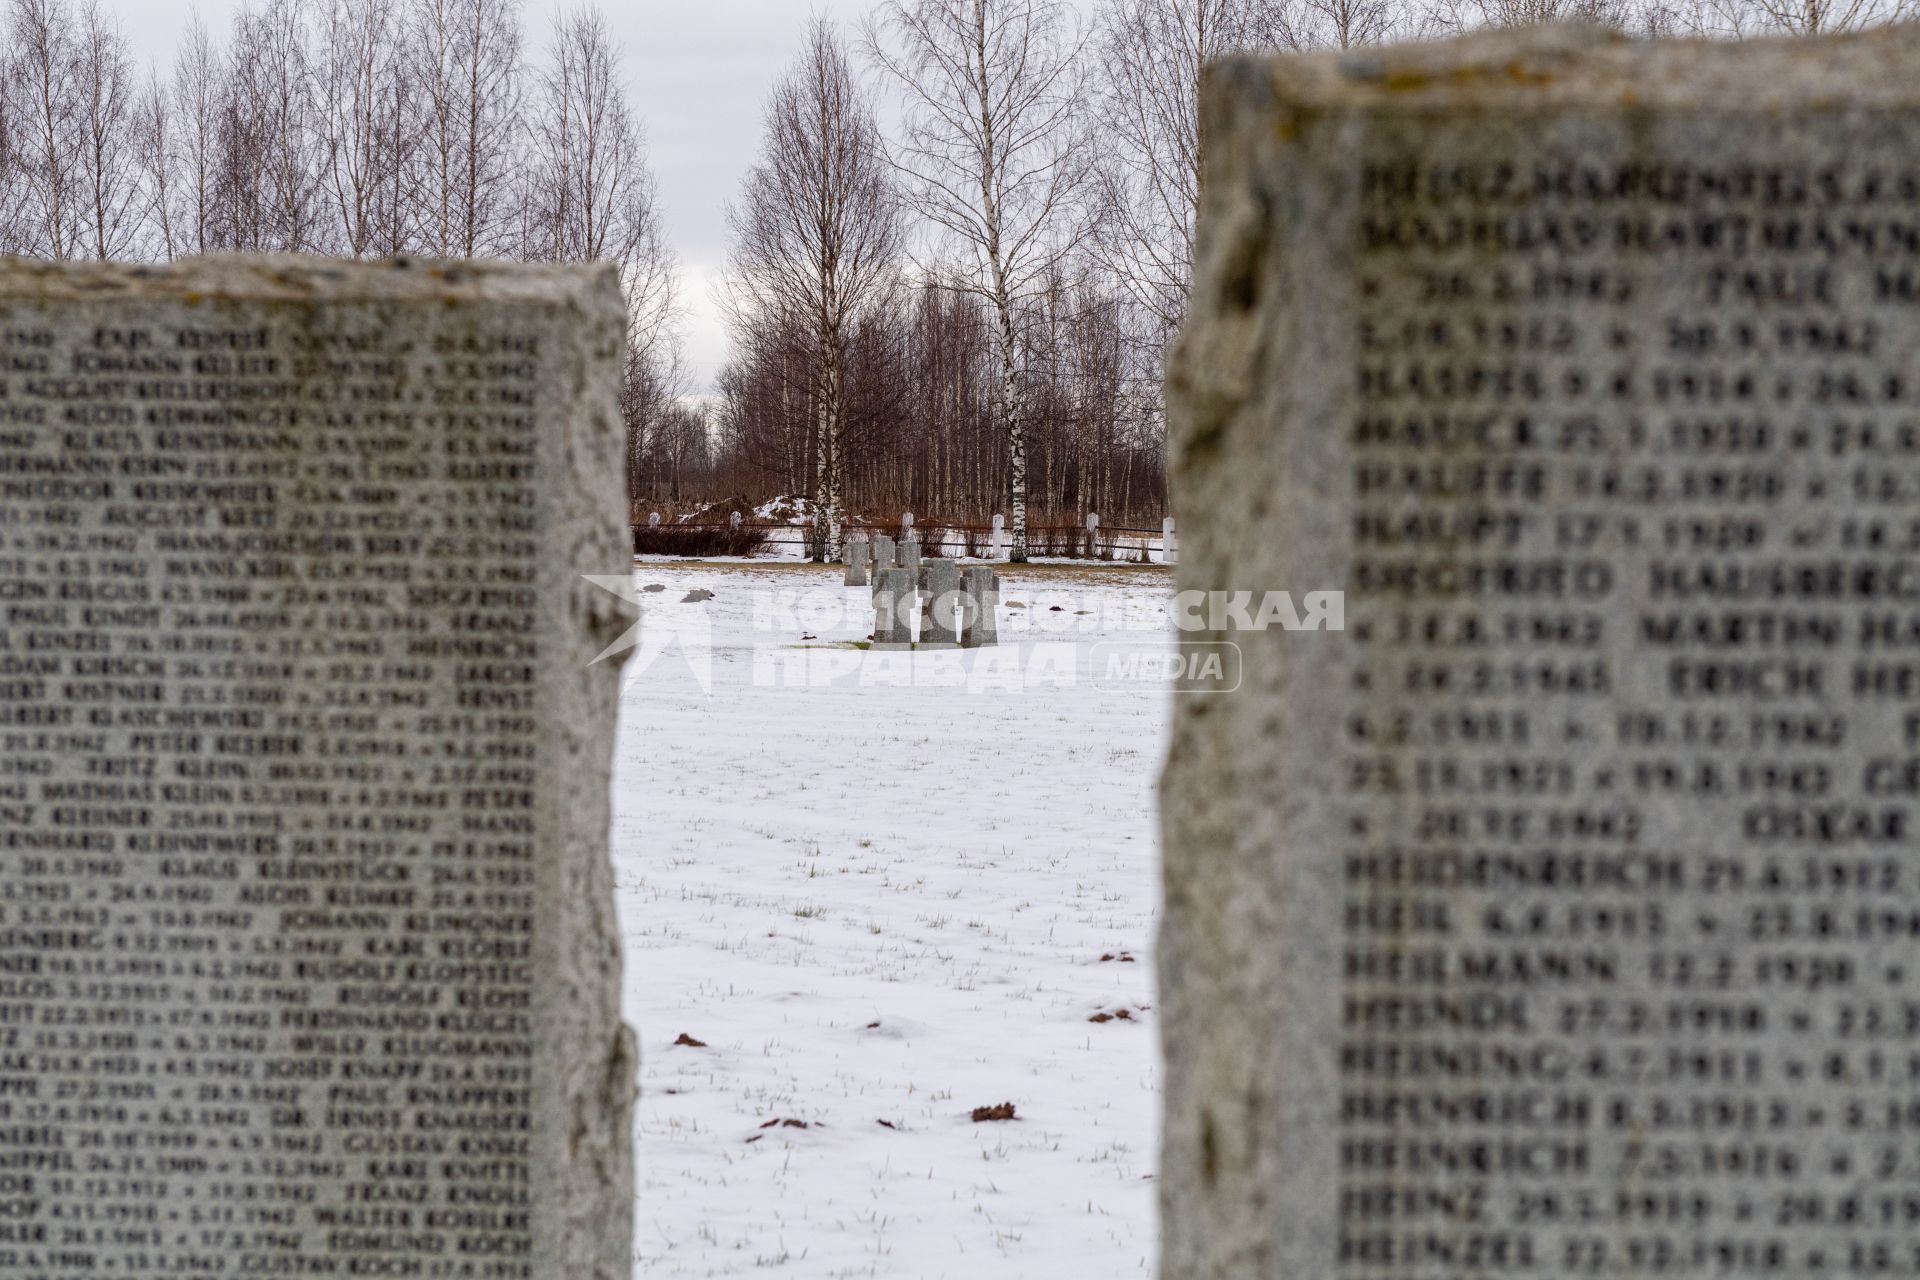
(893, 607)
(856, 555)
(940, 590)
(980, 607)
(1558, 916)
(883, 552)
(910, 553)
(308, 958)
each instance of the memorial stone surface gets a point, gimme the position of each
(939, 604)
(980, 607)
(893, 609)
(1559, 916)
(856, 556)
(308, 960)
(883, 553)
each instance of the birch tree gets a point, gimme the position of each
(817, 238)
(591, 197)
(107, 167)
(42, 103)
(14, 228)
(994, 155)
(1741, 18)
(1342, 24)
(1153, 55)
(269, 180)
(471, 90)
(367, 127)
(158, 149)
(184, 156)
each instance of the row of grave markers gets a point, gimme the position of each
(958, 608)
(997, 545)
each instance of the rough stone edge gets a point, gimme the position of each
(1534, 67)
(1216, 1221)
(291, 278)
(1227, 1196)
(598, 1056)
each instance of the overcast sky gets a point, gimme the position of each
(697, 73)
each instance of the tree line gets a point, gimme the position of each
(354, 128)
(968, 239)
(956, 261)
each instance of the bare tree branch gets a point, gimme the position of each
(994, 151)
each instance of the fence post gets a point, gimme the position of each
(999, 532)
(1093, 535)
(1169, 549)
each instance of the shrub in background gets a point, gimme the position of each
(699, 540)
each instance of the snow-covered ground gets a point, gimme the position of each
(884, 890)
